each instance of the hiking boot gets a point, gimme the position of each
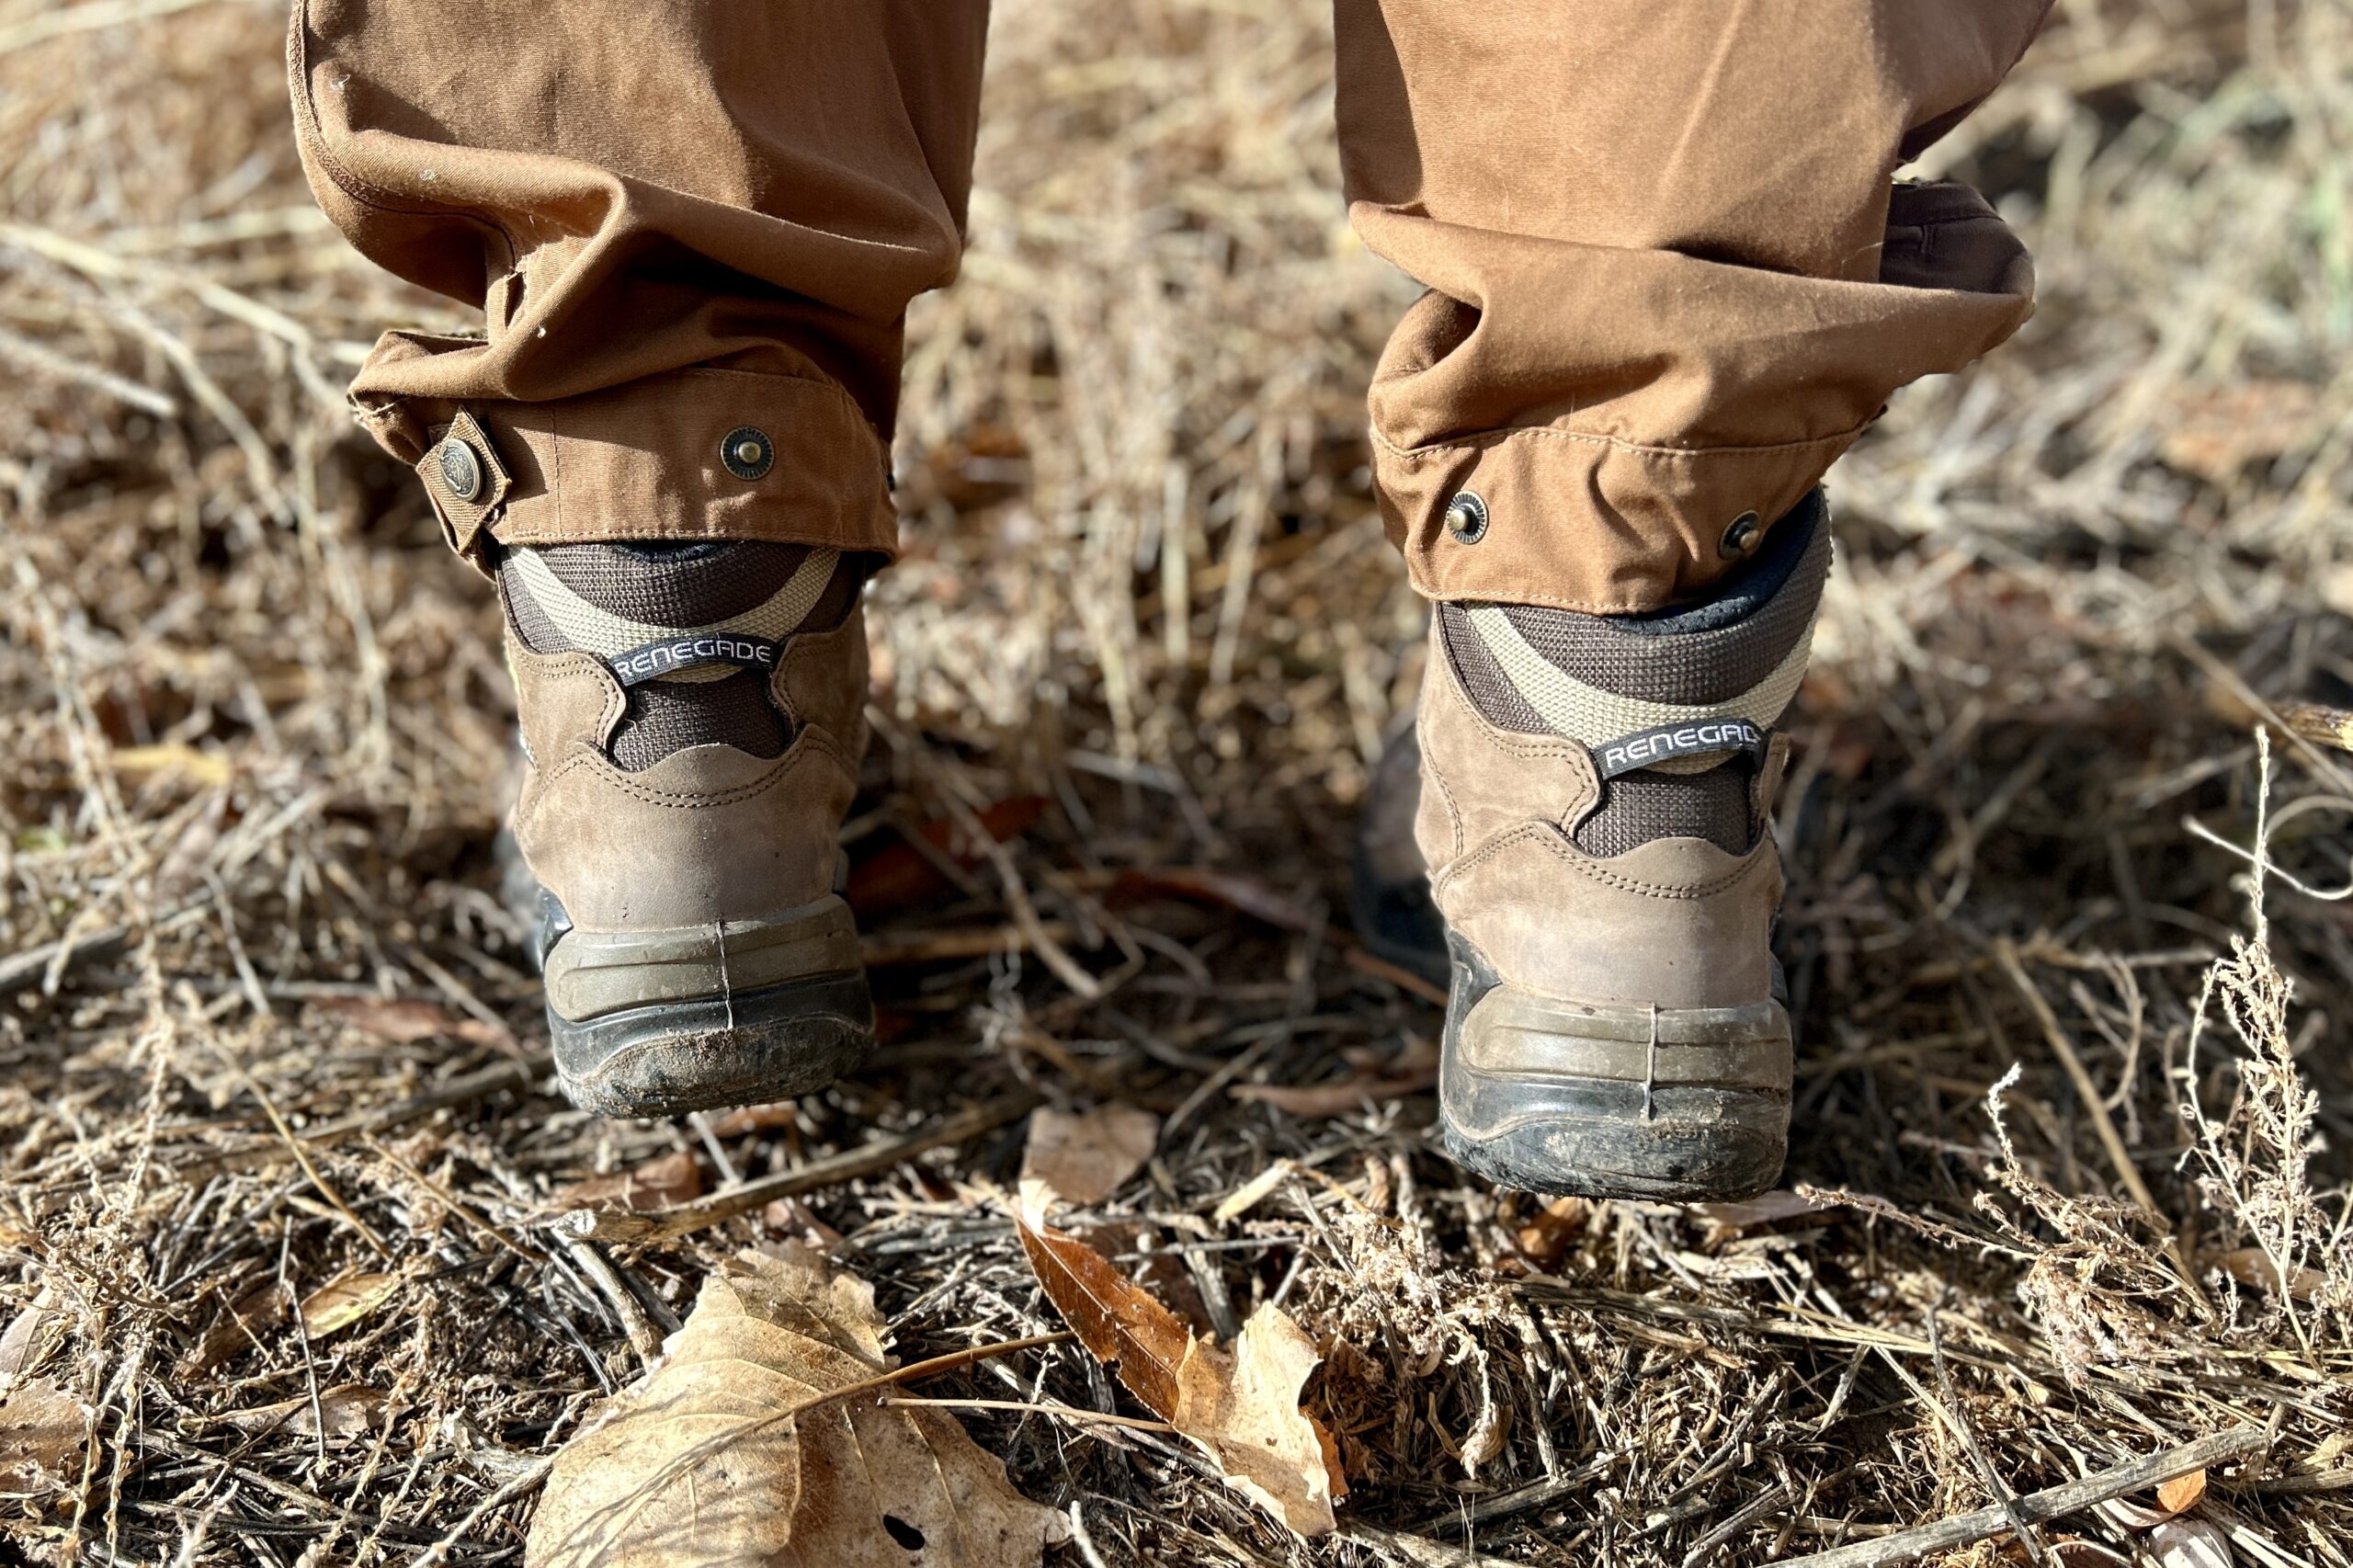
(692, 715)
(1595, 815)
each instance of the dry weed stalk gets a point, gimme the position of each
(2256, 1155)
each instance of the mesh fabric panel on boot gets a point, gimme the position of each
(609, 598)
(1741, 654)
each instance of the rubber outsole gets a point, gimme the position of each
(1560, 1100)
(677, 1056)
(672, 1058)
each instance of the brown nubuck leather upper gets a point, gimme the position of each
(1675, 923)
(707, 834)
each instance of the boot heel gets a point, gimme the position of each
(1562, 1098)
(663, 1022)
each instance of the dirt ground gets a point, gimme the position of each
(2073, 1105)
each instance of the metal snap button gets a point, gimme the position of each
(1741, 536)
(460, 470)
(1466, 518)
(748, 453)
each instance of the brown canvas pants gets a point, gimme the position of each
(1670, 276)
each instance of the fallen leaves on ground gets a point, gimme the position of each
(908, 874)
(2215, 433)
(343, 1300)
(258, 1307)
(1547, 1234)
(1240, 1407)
(1086, 1156)
(2248, 1265)
(2178, 1495)
(740, 1450)
(31, 1334)
(44, 1431)
(657, 1184)
(410, 1021)
(2182, 1492)
(345, 1409)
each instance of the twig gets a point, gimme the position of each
(525, 1481)
(2035, 1507)
(643, 1337)
(295, 1145)
(684, 1219)
(2085, 1090)
(1420, 1550)
(39, 965)
(1739, 1520)
(2299, 735)
(1519, 1500)
(1070, 1413)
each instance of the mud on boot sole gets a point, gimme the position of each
(670, 1058)
(1612, 1101)
(663, 1022)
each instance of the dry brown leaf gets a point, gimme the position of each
(1547, 1234)
(1086, 1156)
(343, 1300)
(2189, 1543)
(2075, 1551)
(44, 1431)
(1114, 1318)
(1767, 1209)
(790, 1217)
(756, 1119)
(261, 1306)
(410, 1022)
(730, 1455)
(2182, 1492)
(657, 1184)
(345, 1409)
(2248, 1265)
(2216, 433)
(1241, 1406)
(32, 1336)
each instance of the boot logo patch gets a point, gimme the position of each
(1649, 747)
(689, 650)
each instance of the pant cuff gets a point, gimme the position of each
(697, 453)
(1540, 516)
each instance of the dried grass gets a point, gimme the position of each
(265, 1028)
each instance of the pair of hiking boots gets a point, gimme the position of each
(1591, 815)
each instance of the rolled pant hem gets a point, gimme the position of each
(1585, 522)
(650, 460)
